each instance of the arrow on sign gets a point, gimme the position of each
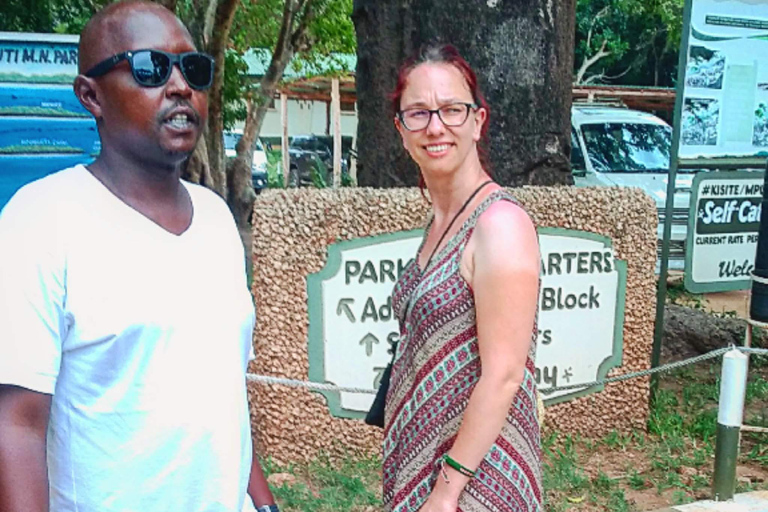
(368, 340)
(343, 307)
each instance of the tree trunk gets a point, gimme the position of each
(168, 4)
(690, 331)
(522, 52)
(225, 13)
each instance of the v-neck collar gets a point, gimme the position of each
(452, 241)
(132, 213)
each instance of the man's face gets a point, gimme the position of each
(159, 124)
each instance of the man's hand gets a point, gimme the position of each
(258, 489)
(23, 469)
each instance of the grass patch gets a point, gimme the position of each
(677, 294)
(352, 485)
(39, 149)
(670, 463)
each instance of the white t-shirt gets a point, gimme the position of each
(143, 338)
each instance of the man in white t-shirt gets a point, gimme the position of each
(125, 318)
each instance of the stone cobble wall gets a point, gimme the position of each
(292, 231)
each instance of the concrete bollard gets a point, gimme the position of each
(733, 387)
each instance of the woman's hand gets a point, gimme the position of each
(445, 494)
(437, 503)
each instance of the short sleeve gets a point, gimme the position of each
(32, 294)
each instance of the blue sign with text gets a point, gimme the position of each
(43, 126)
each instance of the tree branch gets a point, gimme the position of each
(615, 77)
(602, 12)
(208, 19)
(168, 4)
(298, 37)
(590, 61)
(225, 13)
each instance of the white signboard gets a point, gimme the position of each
(725, 93)
(722, 232)
(581, 313)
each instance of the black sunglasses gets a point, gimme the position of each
(152, 68)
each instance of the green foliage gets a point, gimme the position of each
(561, 470)
(346, 179)
(677, 294)
(274, 169)
(233, 109)
(60, 16)
(642, 39)
(24, 16)
(637, 481)
(757, 388)
(257, 25)
(318, 174)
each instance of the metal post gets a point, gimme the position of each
(733, 387)
(336, 110)
(661, 294)
(284, 141)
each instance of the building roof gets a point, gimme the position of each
(312, 81)
(305, 80)
(258, 60)
(640, 98)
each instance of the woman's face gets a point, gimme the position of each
(437, 148)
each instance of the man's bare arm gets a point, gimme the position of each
(23, 469)
(258, 489)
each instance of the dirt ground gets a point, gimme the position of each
(719, 302)
(724, 302)
(671, 464)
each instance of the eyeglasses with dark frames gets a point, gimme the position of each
(455, 114)
(152, 68)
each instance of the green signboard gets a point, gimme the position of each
(722, 230)
(352, 325)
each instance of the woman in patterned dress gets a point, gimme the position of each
(462, 382)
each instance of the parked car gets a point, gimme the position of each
(617, 146)
(314, 154)
(259, 165)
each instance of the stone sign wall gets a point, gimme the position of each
(297, 231)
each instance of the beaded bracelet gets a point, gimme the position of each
(446, 459)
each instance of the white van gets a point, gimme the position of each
(259, 166)
(617, 146)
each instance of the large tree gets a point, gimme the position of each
(522, 51)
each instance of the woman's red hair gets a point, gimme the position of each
(445, 54)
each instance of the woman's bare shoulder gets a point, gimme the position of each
(505, 219)
(506, 235)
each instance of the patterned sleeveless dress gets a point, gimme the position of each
(435, 370)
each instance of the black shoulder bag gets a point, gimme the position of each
(375, 415)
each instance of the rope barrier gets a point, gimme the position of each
(319, 386)
(635, 375)
(313, 386)
(754, 350)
